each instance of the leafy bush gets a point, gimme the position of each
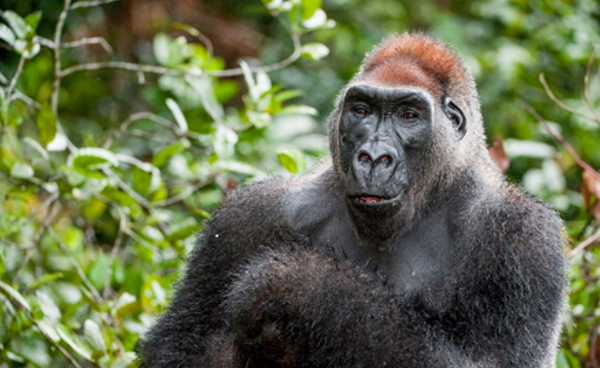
(94, 225)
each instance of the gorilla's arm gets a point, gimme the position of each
(239, 230)
(300, 308)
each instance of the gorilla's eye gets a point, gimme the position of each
(409, 116)
(360, 110)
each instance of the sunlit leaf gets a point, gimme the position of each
(87, 160)
(8, 291)
(299, 110)
(93, 335)
(73, 342)
(44, 279)
(48, 307)
(7, 35)
(21, 170)
(161, 48)
(18, 24)
(124, 361)
(50, 331)
(179, 118)
(292, 159)
(314, 51)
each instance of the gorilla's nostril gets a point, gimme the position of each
(385, 159)
(364, 158)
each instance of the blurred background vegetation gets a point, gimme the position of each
(108, 168)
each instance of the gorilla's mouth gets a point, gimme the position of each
(373, 200)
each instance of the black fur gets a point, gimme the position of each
(464, 271)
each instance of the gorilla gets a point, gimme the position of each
(408, 249)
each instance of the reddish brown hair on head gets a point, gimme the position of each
(415, 60)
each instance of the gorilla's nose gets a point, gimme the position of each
(377, 160)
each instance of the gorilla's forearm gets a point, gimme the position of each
(304, 309)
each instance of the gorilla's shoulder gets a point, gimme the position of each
(510, 220)
(286, 202)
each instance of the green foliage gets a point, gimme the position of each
(106, 177)
(98, 211)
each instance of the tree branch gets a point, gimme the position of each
(585, 85)
(88, 41)
(114, 251)
(13, 81)
(584, 244)
(564, 142)
(562, 105)
(57, 74)
(34, 322)
(85, 4)
(75, 265)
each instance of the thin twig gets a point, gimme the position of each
(585, 85)
(34, 322)
(127, 189)
(564, 142)
(204, 101)
(194, 72)
(88, 41)
(57, 74)
(82, 4)
(43, 41)
(181, 196)
(562, 105)
(50, 200)
(135, 237)
(75, 265)
(114, 251)
(38, 235)
(584, 244)
(18, 95)
(139, 116)
(13, 81)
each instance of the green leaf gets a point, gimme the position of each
(309, 7)
(18, 24)
(73, 342)
(93, 336)
(27, 48)
(161, 48)
(36, 146)
(48, 307)
(21, 170)
(11, 293)
(86, 160)
(7, 35)
(145, 176)
(44, 279)
(292, 159)
(125, 305)
(33, 20)
(46, 123)
(184, 27)
(163, 156)
(314, 51)
(179, 118)
(124, 361)
(50, 331)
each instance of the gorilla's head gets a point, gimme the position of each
(406, 124)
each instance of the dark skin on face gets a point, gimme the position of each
(384, 133)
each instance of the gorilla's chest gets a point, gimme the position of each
(417, 262)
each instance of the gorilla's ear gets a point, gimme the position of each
(457, 117)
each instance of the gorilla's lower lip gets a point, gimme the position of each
(373, 200)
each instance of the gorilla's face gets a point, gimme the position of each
(384, 137)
